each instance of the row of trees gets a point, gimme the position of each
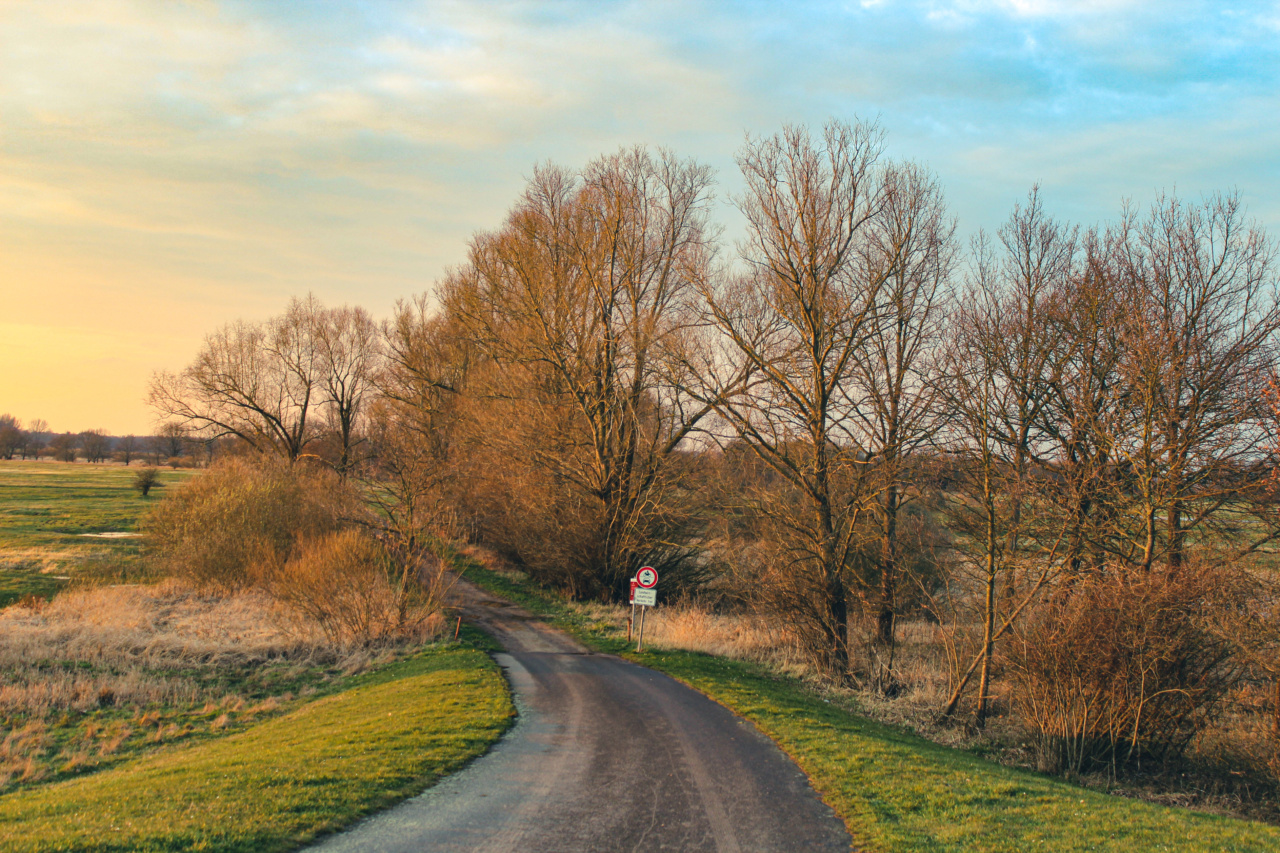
(171, 442)
(852, 417)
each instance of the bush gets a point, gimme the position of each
(354, 589)
(146, 480)
(241, 519)
(291, 531)
(1126, 667)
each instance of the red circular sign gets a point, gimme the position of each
(647, 578)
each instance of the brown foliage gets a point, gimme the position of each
(1127, 668)
(243, 516)
(348, 584)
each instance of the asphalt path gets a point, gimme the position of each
(605, 755)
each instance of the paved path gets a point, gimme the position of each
(606, 755)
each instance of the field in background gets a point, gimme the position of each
(52, 515)
(104, 674)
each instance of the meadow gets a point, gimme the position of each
(260, 730)
(53, 517)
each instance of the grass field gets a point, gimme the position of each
(48, 508)
(161, 717)
(283, 782)
(899, 792)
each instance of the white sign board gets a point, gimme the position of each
(646, 597)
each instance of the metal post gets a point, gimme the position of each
(640, 641)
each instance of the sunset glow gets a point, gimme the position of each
(168, 167)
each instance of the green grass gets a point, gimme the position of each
(47, 507)
(898, 792)
(284, 782)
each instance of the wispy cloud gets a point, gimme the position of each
(180, 164)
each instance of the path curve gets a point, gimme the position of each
(606, 755)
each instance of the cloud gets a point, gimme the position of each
(181, 164)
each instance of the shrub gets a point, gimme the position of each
(356, 590)
(1126, 667)
(244, 517)
(146, 480)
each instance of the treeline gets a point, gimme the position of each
(1057, 441)
(171, 446)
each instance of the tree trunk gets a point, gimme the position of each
(887, 616)
(989, 613)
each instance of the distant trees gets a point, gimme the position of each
(63, 447)
(127, 448)
(12, 437)
(37, 435)
(95, 445)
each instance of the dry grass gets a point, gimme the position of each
(100, 673)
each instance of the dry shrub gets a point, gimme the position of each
(222, 528)
(289, 530)
(1126, 667)
(349, 585)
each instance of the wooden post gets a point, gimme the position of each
(457, 628)
(631, 620)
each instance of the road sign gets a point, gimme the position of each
(647, 578)
(632, 597)
(646, 597)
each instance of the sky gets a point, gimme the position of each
(169, 167)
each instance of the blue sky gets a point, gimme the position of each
(167, 167)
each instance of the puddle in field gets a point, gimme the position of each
(110, 534)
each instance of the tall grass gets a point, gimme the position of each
(102, 673)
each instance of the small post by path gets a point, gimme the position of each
(457, 629)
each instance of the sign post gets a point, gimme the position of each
(645, 594)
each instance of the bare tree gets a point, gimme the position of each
(10, 436)
(583, 303)
(798, 321)
(37, 437)
(63, 447)
(253, 381)
(127, 448)
(94, 445)
(1202, 356)
(265, 382)
(895, 377)
(347, 342)
(1004, 349)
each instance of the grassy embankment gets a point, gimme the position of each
(281, 783)
(898, 792)
(141, 718)
(46, 510)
